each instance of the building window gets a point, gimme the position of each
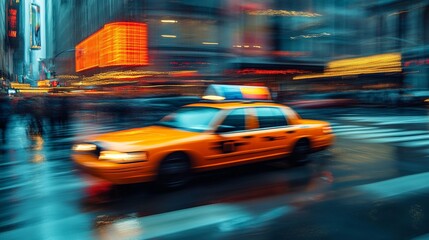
(426, 26)
(380, 33)
(402, 28)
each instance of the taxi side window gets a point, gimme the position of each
(236, 119)
(270, 117)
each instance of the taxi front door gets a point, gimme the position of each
(230, 144)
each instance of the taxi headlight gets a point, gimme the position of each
(327, 130)
(122, 157)
(83, 147)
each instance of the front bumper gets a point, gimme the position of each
(114, 172)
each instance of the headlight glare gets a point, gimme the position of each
(327, 130)
(83, 147)
(121, 157)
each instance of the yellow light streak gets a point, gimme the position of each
(168, 21)
(381, 63)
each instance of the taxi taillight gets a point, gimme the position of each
(327, 129)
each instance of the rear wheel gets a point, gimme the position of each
(174, 171)
(300, 152)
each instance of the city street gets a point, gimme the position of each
(372, 184)
(85, 83)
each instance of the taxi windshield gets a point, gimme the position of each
(195, 119)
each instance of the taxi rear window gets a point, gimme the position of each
(270, 117)
(195, 119)
(237, 119)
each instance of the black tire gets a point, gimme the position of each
(300, 152)
(174, 171)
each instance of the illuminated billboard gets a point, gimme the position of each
(116, 44)
(35, 38)
(12, 23)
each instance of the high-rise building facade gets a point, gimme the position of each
(3, 41)
(9, 38)
(401, 26)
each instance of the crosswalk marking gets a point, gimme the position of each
(415, 144)
(353, 129)
(422, 237)
(352, 132)
(398, 139)
(387, 120)
(376, 134)
(335, 126)
(388, 134)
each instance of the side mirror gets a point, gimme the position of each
(225, 128)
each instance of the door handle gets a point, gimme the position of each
(269, 138)
(247, 137)
(291, 131)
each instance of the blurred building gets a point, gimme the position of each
(314, 32)
(376, 45)
(306, 45)
(9, 39)
(180, 40)
(25, 43)
(3, 41)
(287, 45)
(403, 27)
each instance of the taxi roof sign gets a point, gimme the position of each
(220, 92)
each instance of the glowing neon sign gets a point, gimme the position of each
(12, 20)
(416, 62)
(116, 44)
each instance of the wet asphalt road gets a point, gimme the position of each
(371, 184)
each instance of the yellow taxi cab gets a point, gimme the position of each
(232, 125)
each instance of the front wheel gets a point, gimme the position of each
(174, 171)
(300, 152)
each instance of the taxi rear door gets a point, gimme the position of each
(273, 135)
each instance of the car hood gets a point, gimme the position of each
(138, 139)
